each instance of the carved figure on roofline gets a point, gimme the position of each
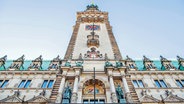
(108, 64)
(79, 63)
(119, 64)
(68, 64)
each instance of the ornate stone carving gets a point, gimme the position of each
(13, 98)
(93, 54)
(74, 98)
(17, 64)
(36, 64)
(2, 61)
(55, 63)
(114, 98)
(171, 97)
(147, 98)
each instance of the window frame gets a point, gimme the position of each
(25, 83)
(47, 83)
(160, 83)
(137, 82)
(4, 83)
(181, 82)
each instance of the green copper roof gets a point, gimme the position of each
(45, 64)
(92, 6)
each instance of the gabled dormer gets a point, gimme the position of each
(17, 64)
(55, 63)
(130, 63)
(2, 61)
(148, 64)
(181, 63)
(166, 64)
(36, 64)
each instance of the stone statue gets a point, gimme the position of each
(67, 94)
(119, 93)
(108, 64)
(68, 64)
(119, 64)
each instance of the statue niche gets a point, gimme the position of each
(67, 95)
(120, 94)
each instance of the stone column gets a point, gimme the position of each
(62, 85)
(75, 89)
(125, 85)
(75, 86)
(113, 90)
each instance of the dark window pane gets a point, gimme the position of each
(157, 83)
(50, 84)
(135, 84)
(4, 84)
(101, 101)
(141, 84)
(44, 85)
(179, 83)
(85, 101)
(21, 85)
(27, 84)
(163, 84)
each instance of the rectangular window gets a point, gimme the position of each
(85, 101)
(44, 85)
(47, 84)
(24, 84)
(135, 84)
(179, 83)
(4, 84)
(27, 84)
(160, 83)
(138, 83)
(50, 83)
(157, 83)
(163, 84)
(21, 85)
(101, 101)
(141, 83)
(92, 101)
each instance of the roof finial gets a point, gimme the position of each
(92, 2)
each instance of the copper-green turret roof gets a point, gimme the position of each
(92, 6)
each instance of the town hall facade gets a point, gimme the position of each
(92, 70)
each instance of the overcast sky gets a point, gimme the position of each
(141, 27)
